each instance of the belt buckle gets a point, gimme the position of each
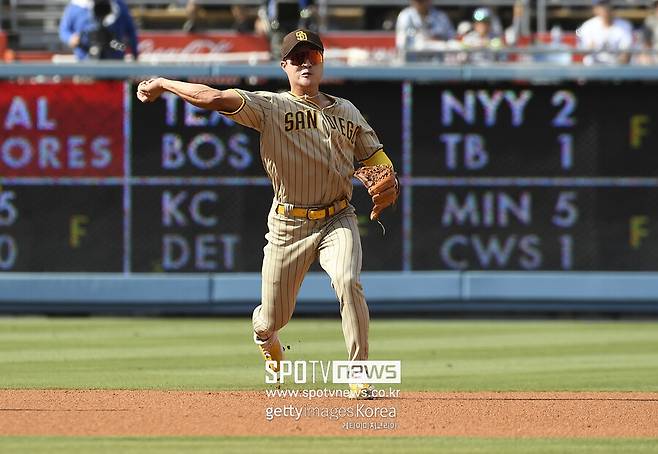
(325, 212)
(313, 217)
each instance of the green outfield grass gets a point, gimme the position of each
(325, 445)
(218, 354)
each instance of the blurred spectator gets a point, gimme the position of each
(463, 28)
(262, 24)
(420, 25)
(519, 27)
(193, 13)
(645, 50)
(650, 29)
(98, 29)
(197, 17)
(610, 38)
(309, 17)
(495, 23)
(242, 23)
(278, 18)
(482, 39)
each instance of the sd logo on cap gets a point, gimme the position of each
(297, 37)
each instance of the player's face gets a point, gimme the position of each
(304, 67)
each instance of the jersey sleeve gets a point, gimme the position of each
(255, 107)
(367, 143)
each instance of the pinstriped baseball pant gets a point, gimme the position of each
(293, 244)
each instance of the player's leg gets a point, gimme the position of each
(289, 252)
(340, 257)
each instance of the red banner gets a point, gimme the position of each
(62, 130)
(224, 42)
(201, 43)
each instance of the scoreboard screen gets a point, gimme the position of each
(534, 177)
(494, 177)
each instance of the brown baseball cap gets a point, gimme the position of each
(298, 37)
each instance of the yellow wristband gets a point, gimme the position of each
(378, 158)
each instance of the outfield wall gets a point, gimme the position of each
(528, 188)
(402, 293)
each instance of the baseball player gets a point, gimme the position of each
(309, 141)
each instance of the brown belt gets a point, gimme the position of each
(313, 213)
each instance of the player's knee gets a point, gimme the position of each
(348, 285)
(264, 326)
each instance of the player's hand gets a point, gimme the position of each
(74, 40)
(149, 90)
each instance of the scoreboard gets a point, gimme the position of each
(535, 177)
(494, 177)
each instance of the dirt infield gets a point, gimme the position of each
(73, 412)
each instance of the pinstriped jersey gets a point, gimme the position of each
(307, 151)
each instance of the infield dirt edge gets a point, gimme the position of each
(243, 413)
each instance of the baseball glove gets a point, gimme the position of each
(382, 185)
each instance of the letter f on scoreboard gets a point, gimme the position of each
(638, 130)
(638, 230)
(77, 229)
